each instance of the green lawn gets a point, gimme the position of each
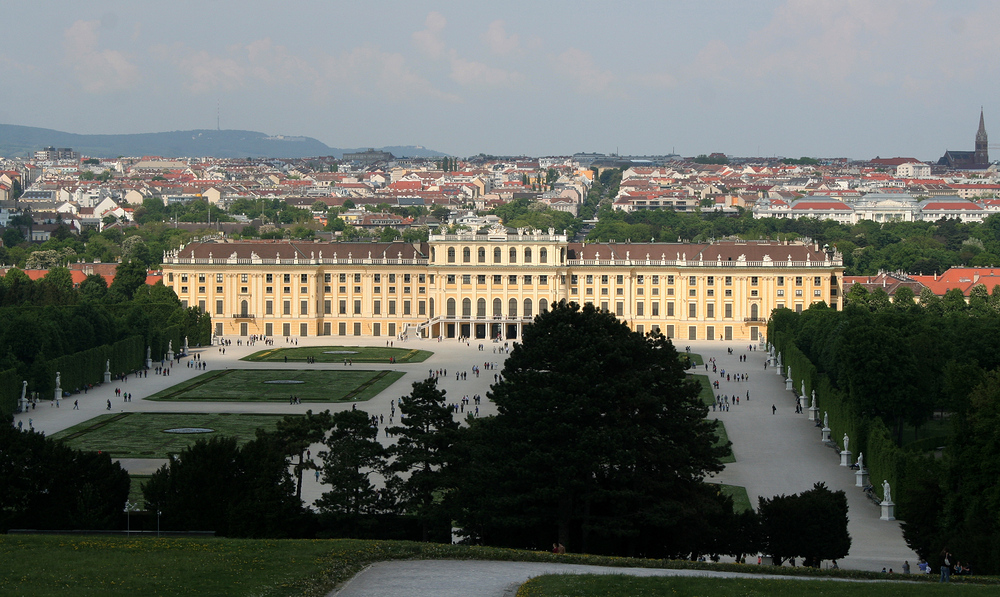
(141, 435)
(741, 501)
(94, 566)
(337, 354)
(707, 391)
(599, 585)
(256, 385)
(720, 431)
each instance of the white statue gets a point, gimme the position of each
(846, 440)
(826, 419)
(170, 345)
(148, 352)
(814, 399)
(24, 389)
(58, 379)
(886, 494)
(861, 461)
(107, 366)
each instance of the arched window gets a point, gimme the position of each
(543, 256)
(451, 254)
(527, 254)
(466, 255)
(562, 255)
(527, 307)
(466, 307)
(481, 308)
(753, 311)
(451, 307)
(543, 306)
(244, 308)
(482, 255)
(512, 308)
(496, 255)
(497, 307)
(513, 255)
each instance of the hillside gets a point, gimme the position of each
(22, 141)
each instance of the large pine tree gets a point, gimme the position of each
(601, 444)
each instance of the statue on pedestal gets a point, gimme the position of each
(886, 494)
(814, 399)
(846, 441)
(58, 380)
(149, 352)
(826, 419)
(107, 366)
(24, 389)
(170, 345)
(861, 461)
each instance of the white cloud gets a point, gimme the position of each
(97, 71)
(368, 71)
(428, 40)
(499, 42)
(469, 73)
(579, 66)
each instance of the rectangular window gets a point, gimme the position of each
(378, 278)
(543, 280)
(201, 278)
(406, 289)
(692, 333)
(729, 280)
(422, 278)
(392, 290)
(798, 280)
(656, 279)
(218, 307)
(377, 308)
(287, 279)
(343, 307)
(640, 329)
(711, 281)
(512, 280)
(527, 280)
(201, 290)
(268, 329)
(710, 311)
(753, 280)
(392, 329)
(639, 309)
(670, 331)
(640, 279)
(218, 289)
(357, 290)
(450, 279)
(754, 293)
(376, 329)
(817, 292)
(574, 279)
(357, 278)
(303, 329)
(655, 309)
(497, 280)
(218, 278)
(286, 307)
(604, 279)
(729, 292)
(342, 278)
(392, 278)
(781, 292)
(639, 291)
(798, 293)
(377, 290)
(710, 292)
(590, 279)
(421, 307)
(692, 292)
(693, 310)
(357, 307)
(201, 306)
(710, 332)
(692, 281)
(286, 329)
(303, 290)
(619, 308)
(269, 289)
(342, 328)
(604, 305)
(286, 289)
(481, 279)
(620, 280)
(670, 308)
(421, 290)
(327, 308)
(392, 307)
(466, 279)
(781, 280)
(406, 307)
(327, 278)
(303, 278)
(268, 307)
(728, 311)
(406, 278)
(817, 281)
(357, 328)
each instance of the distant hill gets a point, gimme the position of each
(23, 141)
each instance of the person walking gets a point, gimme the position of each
(774, 409)
(946, 567)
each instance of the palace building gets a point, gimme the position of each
(490, 285)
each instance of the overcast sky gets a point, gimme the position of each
(825, 78)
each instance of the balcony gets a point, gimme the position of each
(244, 316)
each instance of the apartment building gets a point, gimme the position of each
(491, 285)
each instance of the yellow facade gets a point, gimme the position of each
(485, 286)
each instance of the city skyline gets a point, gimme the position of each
(793, 78)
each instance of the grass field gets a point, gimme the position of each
(89, 566)
(707, 392)
(141, 435)
(265, 385)
(741, 501)
(608, 585)
(322, 354)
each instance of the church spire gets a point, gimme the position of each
(982, 155)
(981, 133)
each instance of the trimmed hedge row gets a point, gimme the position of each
(883, 458)
(88, 366)
(10, 391)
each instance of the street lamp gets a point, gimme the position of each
(158, 512)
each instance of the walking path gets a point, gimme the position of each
(775, 454)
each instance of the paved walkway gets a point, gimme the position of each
(775, 454)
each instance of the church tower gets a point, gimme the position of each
(982, 146)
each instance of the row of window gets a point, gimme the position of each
(543, 255)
